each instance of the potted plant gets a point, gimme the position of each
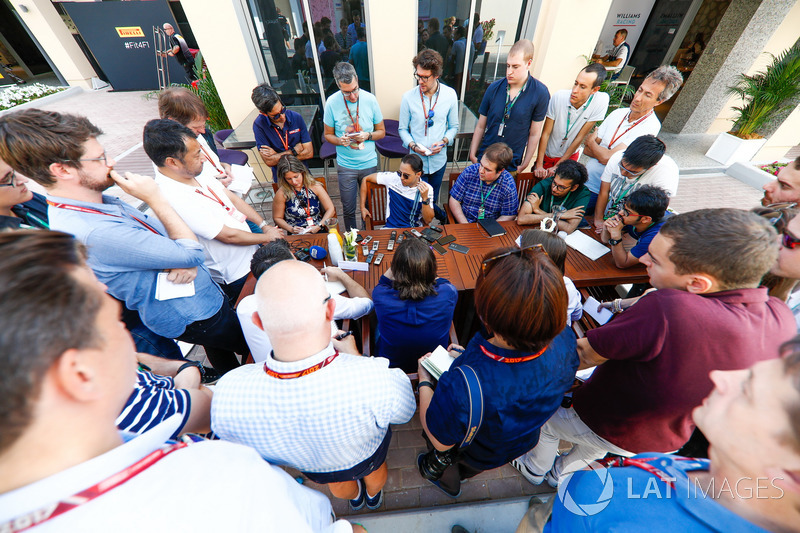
(764, 95)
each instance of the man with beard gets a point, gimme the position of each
(154, 265)
(785, 187)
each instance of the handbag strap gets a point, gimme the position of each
(475, 404)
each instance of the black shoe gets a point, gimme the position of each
(210, 376)
(438, 483)
(358, 503)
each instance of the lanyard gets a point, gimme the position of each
(347, 107)
(552, 199)
(569, 114)
(215, 199)
(52, 510)
(623, 194)
(300, 373)
(425, 116)
(509, 106)
(485, 196)
(210, 160)
(33, 218)
(411, 215)
(308, 205)
(522, 359)
(80, 209)
(616, 137)
(285, 142)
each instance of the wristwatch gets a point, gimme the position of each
(614, 242)
(190, 364)
(425, 384)
(294, 152)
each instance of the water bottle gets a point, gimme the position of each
(334, 249)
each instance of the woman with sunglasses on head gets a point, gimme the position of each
(413, 305)
(409, 200)
(524, 365)
(782, 279)
(301, 203)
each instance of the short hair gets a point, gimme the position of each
(325, 21)
(734, 246)
(460, 32)
(355, 13)
(33, 139)
(269, 255)
(573, 171)
(429, 59)
(623, 31)
(290, 163)
(45, 310)
(414, 161)
(522, 298)
(644, 151)
(555, 246)
(597, 69)
(649, 201)
(414, 269)
(165, 138)
(181, 104)
(344, 72)
(500, 154)
(264, 97)
(671, 78)
(361, 33)
(329, 41)
(524, 47)
(433, 24)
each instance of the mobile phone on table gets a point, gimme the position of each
(458, 248)
(439, 248)
(447, 239)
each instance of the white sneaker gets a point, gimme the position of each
(526, 473)
(551, 479)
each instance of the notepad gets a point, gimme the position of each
(335, 287)
(601, 315)
(577, 240)
(167, 290)
(438, 363)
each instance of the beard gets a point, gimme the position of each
(93, 184)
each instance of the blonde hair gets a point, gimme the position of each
(289, 163)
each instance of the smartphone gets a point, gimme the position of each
(366, 239)
(436, 227)
(447, 239)
(458, 248)
(392, 239)
(378, 259)
(439, 248)
(375, 246)
(416, 234)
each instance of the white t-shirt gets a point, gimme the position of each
(664, 174)
(240, 492)
(617, 127)
(559, 109)
(574, 307)
(206, 216)
(257, 339)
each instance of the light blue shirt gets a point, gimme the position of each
(337, 117)
(445, 123)
(127, 257)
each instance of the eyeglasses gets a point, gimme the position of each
(12, 179)
(422, 78)
(776, 214)
(559, 187)
(626, 212)
(489, 262)
(631, 173)
(279, 113)
(789, 241)
(405, 175)
(102, 158)
(326, 299)
(354, 92)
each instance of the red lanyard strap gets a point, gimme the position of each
(308, 205)
(522, 359)
(285, 142)
(616, 137)
(52, 510)
(300, 373)
(81, 209)
(355, 122)
(214, 199)
(210, 160)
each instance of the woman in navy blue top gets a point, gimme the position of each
(525, 365)
(414, 307)
(301, 204)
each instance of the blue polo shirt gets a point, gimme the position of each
(267, 134)
(644, 238)
(530, 106)
(499, 199)
(360, 60)
(518, 398)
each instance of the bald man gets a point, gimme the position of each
(313, 405)
(180, 50)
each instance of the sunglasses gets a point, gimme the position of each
(12, 179)
(776, 214)
(279, 113)
(530, 251)
(405, 175)
(631, 173)
(789, 241)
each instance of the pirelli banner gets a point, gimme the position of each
(120, 36)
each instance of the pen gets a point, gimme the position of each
(343, 335)
(324, 266)
(459, 350)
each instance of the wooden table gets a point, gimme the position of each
(462, 269)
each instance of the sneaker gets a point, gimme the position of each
(373, 502)
(532, 478)
(438, 484)
(358, 503)
(551, 479)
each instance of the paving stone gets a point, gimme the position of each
(405, 499)
(430, 496)
(503, 488)
(402, 457)
(394, 481)
(411, 478)
(410, 438)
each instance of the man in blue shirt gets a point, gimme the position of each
(353, 122)
(429, 118)
(278, 130)
(352, 29)
(485, 190)
(154, 265)
(641, 218)
(359, 58)
(513, 110)
(409, 200)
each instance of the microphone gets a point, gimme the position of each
(318, 252)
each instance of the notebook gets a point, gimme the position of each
(491, 227)
(438, 363)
